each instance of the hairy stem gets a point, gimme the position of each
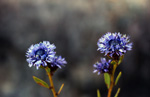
(51, 83)
(112, 80)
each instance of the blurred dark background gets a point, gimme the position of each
(74, 26)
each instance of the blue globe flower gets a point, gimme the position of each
(58, 61)
(114, 44)
(43, 54)
(102, 67)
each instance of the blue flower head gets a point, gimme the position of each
(102, 67)
(42, 54)
(58, 61)
(114, 44)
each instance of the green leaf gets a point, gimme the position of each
(40, 82)
(118, 77)
(60, 88)
(107, 79)
(116, 95)
(120, 59)
(98, 93)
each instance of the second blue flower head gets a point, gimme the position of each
(114, 44)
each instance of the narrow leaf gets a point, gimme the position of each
(61, 88)
(116, 95)
(118, 77)
(120, 60)
(40, 82)
(107, 79)
(98, 93)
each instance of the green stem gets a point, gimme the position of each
(112, 80)
(51, 82)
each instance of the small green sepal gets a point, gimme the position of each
(98, 93)
(120, 59)
(117, 93)
(48, 69)
(118, 77)
(113, 62)
(42, 67)
(40, 82)
(107, 79)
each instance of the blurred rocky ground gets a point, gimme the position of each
(74, 26)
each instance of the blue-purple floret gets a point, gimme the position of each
(58, 61)
(114, 43)
(43, 54)
(102, 67)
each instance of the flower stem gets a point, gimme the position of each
(51, 82)
(112, 80)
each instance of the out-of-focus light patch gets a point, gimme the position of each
(7, 88)
(137, 3)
